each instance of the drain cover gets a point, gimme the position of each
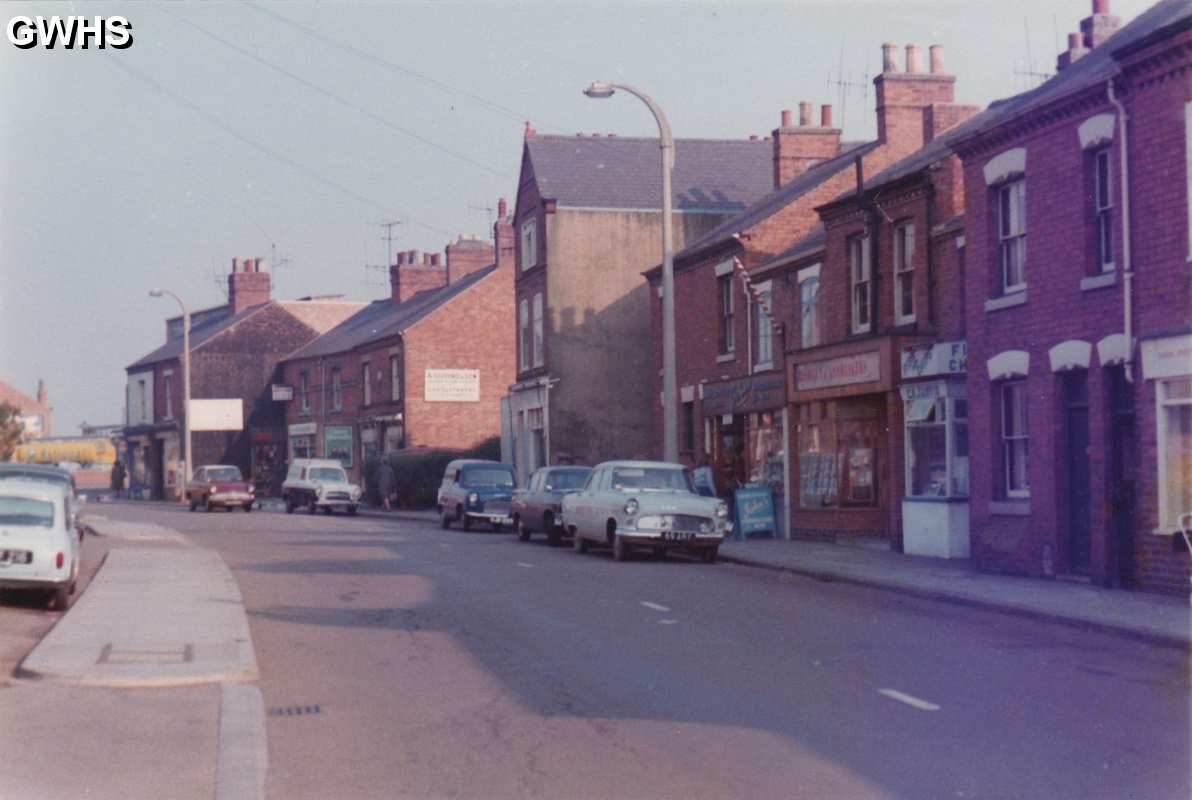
(295, 711)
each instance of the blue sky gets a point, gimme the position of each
(292, 130)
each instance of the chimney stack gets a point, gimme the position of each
(411, 275)
(904, 97)
(503, 236)
(248, 286)
(1094, 30)
(467, 255)
(796, 149)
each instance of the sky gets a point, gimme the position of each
(292, 131)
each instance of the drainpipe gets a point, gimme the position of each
(929, 261)
(1127, 266)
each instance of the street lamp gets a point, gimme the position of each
(670, 390)
(185, 385)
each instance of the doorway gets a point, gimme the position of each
(1079, 494)
(1121, 477)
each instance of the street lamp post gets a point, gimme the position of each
(185, 386)
(670, 391)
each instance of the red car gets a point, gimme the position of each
(220, 485)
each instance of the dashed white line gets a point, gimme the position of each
(524, 564)
(668, 622)
(654, 606)
(913, 702)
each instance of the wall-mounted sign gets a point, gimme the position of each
(745, 395)
(217, 415)
(859, 368)
(282, 393)
(337, 443)
(452, 386)
(942, 358)
(1167, 358)
(304, 429)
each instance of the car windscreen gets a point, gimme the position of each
(651, 479)
(224, 474)
(327, 474)
(567, 479)
(26, 511)
(487, 476)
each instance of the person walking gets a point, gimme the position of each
(386, 484)
(118, 478)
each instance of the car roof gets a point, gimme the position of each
(567, 468)
(38, 490)
(316, 462)
(40, 470)
(642, 464)
(482, 462)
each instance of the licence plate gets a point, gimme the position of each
(16, 557)
(677, 536)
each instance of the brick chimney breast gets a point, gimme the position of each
(467, 255)
(248, 286)
(797, 149)
(902, 98)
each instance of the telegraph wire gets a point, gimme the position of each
(215, 121)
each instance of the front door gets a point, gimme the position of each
(1121, 477)
(730, 454)
(1076, 406)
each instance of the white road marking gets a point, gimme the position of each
(668, 622)
(655, 606)
(242, 754)
(524, 564)
(913, 702)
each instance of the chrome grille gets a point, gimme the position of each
(336, 496)
(496, 506)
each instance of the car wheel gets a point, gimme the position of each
(351, 511)
(620, 548)
(207, 503)
(498, 527)
(289, 505)
(579, 543)
(554, 536)
(467, 522)
(193, 504)
(247, 508)
(59, 599)
(523, 533)
(709, 555)
(444, 520)
(312, 506)
(328, 510)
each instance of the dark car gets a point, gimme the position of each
(220, 485)
(536, 507)
(476, 491)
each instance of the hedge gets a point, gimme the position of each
(419, 472)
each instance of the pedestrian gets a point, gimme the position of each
(118, 478)
(386, 484)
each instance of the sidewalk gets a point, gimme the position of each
(1157, 619)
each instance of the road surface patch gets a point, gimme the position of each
(913, 702)
(655, 606)
(524, 564)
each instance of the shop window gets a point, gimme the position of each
(763, 328)
(337, 399)
(304, 392)
(838, 452)
(1012, 235)
(936, 441)
(725, 287)
(302, 447)
(765, 454)
(394, 378)
(1015, 441)
(1102, 211)
(904, 274)
(539, 356)
(809, 326)
(1175, 451)
(861, 282)
(537, 439)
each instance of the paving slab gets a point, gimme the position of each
(152, 616)
(100, 525)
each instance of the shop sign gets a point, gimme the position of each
(942, 358)
(217, 415)
(860, 368)
(304, 429)
(923, 391)
(755, 511)
(1167, 358)
(282, 393)
(337, 443)
(452, 386)
(755, 393)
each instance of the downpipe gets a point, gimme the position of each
(1128, 264)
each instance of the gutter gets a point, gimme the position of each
(1128, 264)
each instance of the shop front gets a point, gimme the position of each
(841, 414)
(266, 461)
(302, 439)
(380, 436)
(744, 435)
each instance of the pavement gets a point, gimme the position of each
(1157, 619)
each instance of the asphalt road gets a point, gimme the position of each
(400, 660)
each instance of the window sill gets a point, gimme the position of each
(1010, 508)
(935, 499)
(906, 322)
(724, 358)
(1167, 532)
(766, 367)
(1006, 301)
(1098, 281)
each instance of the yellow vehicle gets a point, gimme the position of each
(89, 450)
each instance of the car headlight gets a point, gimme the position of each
(319, 489)
(355, 493)
(722, 511)
(473, 498)
(631, 506)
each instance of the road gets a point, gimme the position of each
(400, 660)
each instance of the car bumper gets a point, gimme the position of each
(485, 516)
(337, 503)
(18, 583)
(230, 499)
(672, 539)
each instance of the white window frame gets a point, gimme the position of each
(1007, 439)
(946, 416)
(904, 271)
(523, 335)
(366, 379)
(1011, 234)
(337, 395)
(529, 244)
(538, 343)
(304, 390)
(1188, 170)
(809, 312)
(727, 340)
(1162, 404)
(1103, 209)
(394, 377)
(168, 382)
(763, 327)
(860, 269)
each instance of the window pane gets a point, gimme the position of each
(960, 460)
(808, 298)
(819, 469)
(927, 460)
(1177, 455)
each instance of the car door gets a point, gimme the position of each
(587, 501)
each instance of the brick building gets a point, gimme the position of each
(424, 367)
(730, 341)
(1078, 303)
(34, 411)
(588, 223)
(234, 351)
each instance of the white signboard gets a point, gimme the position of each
(304, 429)
(860, 368)
(217, 415)
(31, 424)
(1167, 358)
(942, 358)
(282, 393)
(139, 395)
(452, 386)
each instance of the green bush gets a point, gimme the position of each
(419, 472)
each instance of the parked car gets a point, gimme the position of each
(652, 504)
(319, 483)
(220, 486)
(39, 549)
(536, 507)
(45, 473)
(476, 491)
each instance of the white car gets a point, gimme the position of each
(645, 504)
(319, 483)
(38, 546)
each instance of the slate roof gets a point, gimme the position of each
(719, 175)
(383, 318)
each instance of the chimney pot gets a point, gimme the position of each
(753, 137)
(1075, 41)
(1100, 6)
(936, 54)
(235, 265)
(529, 132)
(889, 57)
(502, 209)
(912, 58)
(804, 113)
(786, 118)
(612, 136)
(825, 116)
